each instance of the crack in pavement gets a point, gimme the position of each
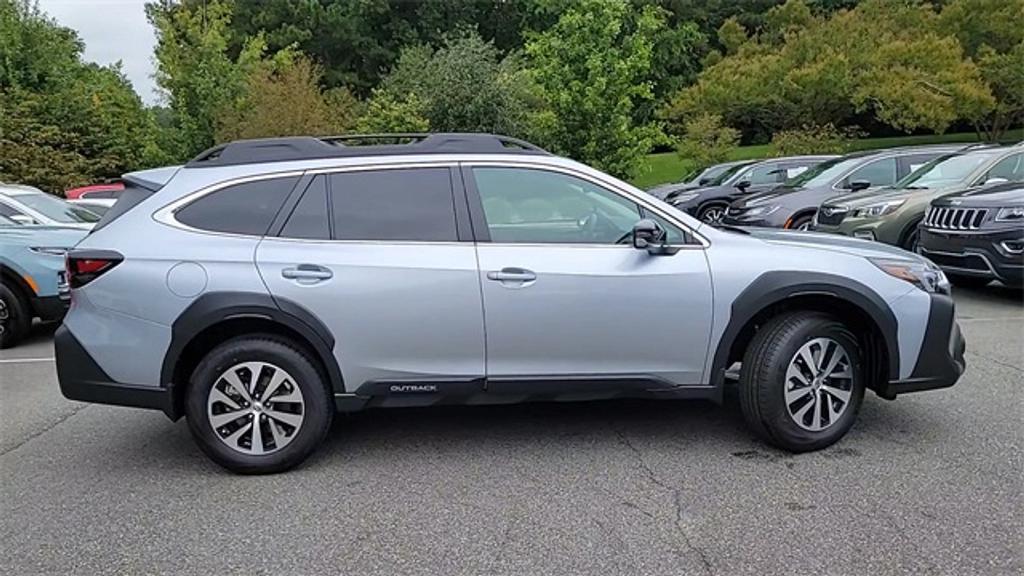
(677, 501)
(44, 430)
(995, 361)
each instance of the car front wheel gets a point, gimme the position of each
(14, 317)
(801, 382)
(258, 405)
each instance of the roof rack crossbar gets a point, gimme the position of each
(311, 148)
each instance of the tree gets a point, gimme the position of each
(706, 141)
(884, 59)
(593, 68)
(991, 33)
(464, 86)
(64, 122)
(386, 113)
(194, 69)
(286, 100)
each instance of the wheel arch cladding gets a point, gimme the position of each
(773, 293)
(217, 316)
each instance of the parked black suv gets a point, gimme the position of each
(709, 203)
(710, 176)
(977, 236)
(793, 205)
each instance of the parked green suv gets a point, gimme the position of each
(891, 214)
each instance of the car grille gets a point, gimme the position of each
(947, 218)
(831, 215)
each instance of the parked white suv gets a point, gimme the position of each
(267, 283)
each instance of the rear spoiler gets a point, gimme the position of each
(151, 180)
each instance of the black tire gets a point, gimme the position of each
(763, 380)
(801, 222)
(318, 406)
(911, 238)
(707, 210)
(15, 319)
(968, 281)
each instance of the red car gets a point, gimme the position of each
(95, 191)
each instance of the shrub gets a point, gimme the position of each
(809, 139)
(707, 141)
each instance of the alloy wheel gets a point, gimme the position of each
(713, 215)
(819, 384)
(255, 408)
(5, 315)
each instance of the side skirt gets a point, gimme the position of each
(509, 390)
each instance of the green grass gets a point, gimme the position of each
(669, 167)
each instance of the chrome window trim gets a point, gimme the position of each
(165, 214)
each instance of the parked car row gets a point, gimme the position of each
(885, 195)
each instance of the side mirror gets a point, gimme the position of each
(703, 181)
(22, 219)
(856, 185)
(996, 180)
(743, 184)
(648, 235)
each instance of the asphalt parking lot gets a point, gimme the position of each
(932, 483)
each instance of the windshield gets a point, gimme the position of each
(728, 174)
(56, 209)
(823, 174)
(710, 174)
(946, 170)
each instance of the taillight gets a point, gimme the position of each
(84, 266)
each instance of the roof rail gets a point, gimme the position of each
(355, 145)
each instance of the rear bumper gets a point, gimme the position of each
(940, 363)
(50, 308)
(82, 379)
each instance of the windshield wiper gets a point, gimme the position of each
(915, 187)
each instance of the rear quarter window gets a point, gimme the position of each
(247, 208)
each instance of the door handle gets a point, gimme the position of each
(511, 275)
(307, 272)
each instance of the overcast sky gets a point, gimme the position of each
(112, 30)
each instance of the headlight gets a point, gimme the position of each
(1010, 214)
(877, 210)
(924, 275)
(51, 250)
(760, 210)
(684, 197)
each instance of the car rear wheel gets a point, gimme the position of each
(968, 281)
(802, 223)
(712, 214)
(15, 319)
(258, 405)
(801, 383)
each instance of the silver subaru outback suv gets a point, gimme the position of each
(267, 284)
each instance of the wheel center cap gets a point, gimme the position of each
(257, 407)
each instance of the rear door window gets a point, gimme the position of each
(247, 208)
(398, 205)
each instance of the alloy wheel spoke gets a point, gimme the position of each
(286, 417)
(816, 421)
(218, 420)
(279, 438)
(276, 379)
(257, 436)
(841, 395)
(217, 396)
(233, 439)
(796, 394)
(837, 356)
(231, 377)
(255, 368)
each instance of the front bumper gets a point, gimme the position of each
(878, 229)
(82, 379)
(940, 362)
(975, 253)
(775, 219)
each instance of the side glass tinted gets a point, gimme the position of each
(246, 208)
(879, 173)
(309, 218)
(524, 205)
(409, 204)
(1010, 168)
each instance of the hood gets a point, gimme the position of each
(876, 195)
(832, 243)
(50, 236)
(991, 197)
(665, 189)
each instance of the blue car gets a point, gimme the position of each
(33, 283)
